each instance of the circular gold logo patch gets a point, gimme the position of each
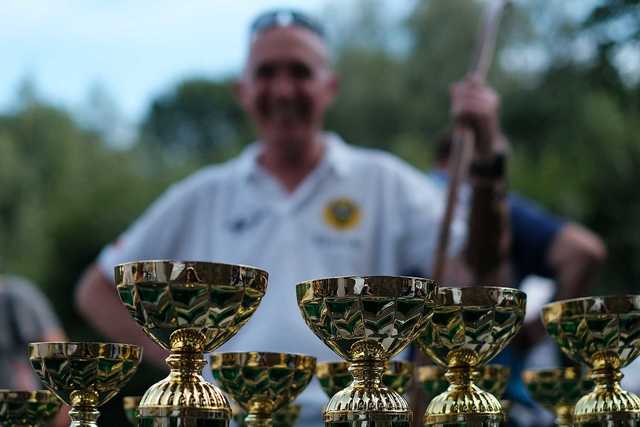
(342, 214)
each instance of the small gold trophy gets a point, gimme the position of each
(189, 308)
(130, 405)
(27, 408)
(602, 333)
(367, 320)
(84, 375)
(334, 376)
(468, 328)
(262, 383)
(558, 390)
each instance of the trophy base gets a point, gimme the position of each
(368, 419)
(170, 403)
(180, 422)
(608, 407)
(464, 406)
(355, 406)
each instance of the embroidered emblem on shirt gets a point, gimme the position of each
(342, 214)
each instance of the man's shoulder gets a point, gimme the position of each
(381, 165)
(380, 161)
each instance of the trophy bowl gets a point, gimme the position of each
(84, 375)
(558, 390)
(601, 332)
(188, 308)
(27, 408)
(262, 383)
(334, 376)
(468, 328)
(130, 405)
(366, 321)
(490, 378)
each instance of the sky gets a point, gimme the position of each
(132, 50)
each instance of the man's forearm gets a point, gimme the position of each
(576, 256)
(488, 241)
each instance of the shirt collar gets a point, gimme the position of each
(336, 157)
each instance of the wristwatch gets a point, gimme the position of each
(490, 168)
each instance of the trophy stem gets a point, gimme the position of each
(84, 410)
(258, 420)
(259, 414)
(564, 415)
(367, 373)
(84, 416)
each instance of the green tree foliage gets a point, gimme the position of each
(199, 120)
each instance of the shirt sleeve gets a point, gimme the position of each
(154, 235)
(533, 231)
(34, 317)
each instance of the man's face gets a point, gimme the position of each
(287, 85)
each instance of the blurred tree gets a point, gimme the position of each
(198, 120)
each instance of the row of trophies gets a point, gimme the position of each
(192, 308)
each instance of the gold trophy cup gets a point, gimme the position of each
(334, 376)
(27, 408)
(262, 383)
(84, 375)
(188, 308)
(130, 405)
(558, 390)
(367, 320)
(601, 332)
(468, 328)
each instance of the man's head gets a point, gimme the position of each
(287, 83)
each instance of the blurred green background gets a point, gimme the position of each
(570, 108)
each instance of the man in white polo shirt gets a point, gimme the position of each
(300, 203)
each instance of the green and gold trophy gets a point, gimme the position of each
(334, 376)
(558, 390)
(367, 320)
(188, 308)
(468, 328)
(84, 375)
(130, 405)
(262, 383)
(27, 408)
(601, 332)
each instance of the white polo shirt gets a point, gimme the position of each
(360, 212)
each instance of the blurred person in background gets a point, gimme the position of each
(542, 245)
(300, 203)
(26, 317)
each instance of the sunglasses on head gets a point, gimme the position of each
(286, 18)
